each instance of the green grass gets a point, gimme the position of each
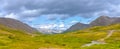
(16, 39)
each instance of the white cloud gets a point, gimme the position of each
(74, 21)
(29, 11)
(60, 26)
(46, 26)
(11, 15)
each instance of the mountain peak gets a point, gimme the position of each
(101, 21)
(79, 23)
(104, 17)
(78, 26)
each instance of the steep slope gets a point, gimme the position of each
(15, 24)
(105, 20)
(100, 21)
(78, 26)
(15, 39)
(115, 20)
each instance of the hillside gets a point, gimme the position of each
(15, 39)
(105, 20)
(100, 21)
(15, 24)
(78, 26)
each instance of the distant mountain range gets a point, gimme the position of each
(15, 24)
(100, 21)
(49, 31)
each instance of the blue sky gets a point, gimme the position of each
(67, 22)
(58, 13)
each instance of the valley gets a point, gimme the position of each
(15, 39)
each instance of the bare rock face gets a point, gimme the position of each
(15, 24)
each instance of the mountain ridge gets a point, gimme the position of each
(100, 21)
(15, 24)
(75, 27)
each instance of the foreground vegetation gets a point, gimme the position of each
(15, 39)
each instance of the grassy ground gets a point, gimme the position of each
(14, 39)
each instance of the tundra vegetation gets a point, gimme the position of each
(17, 39)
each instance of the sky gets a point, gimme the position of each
(58, 13)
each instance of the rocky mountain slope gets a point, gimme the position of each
(15, 24)
(105, 20)
(78, 26)
(100, 21)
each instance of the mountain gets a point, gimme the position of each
(49, 31)
(100, 21)
(115, 20)
(78, 26)
(51, 28)
(105, 20)
(15, 24)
